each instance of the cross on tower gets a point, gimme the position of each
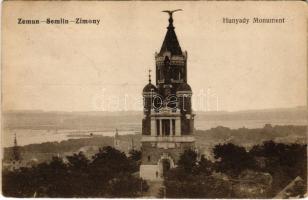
(150, 75)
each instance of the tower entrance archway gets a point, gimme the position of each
(165, 163)
(165, 166)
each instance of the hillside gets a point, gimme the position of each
(132, 119)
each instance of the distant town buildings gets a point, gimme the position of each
(123, 145)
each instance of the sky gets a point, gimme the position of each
(104, 67)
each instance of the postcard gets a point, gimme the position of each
(154, 99)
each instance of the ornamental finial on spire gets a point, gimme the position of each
(170, 12)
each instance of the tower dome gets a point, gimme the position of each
(184, 87)
(149, 88)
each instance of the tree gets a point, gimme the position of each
(188, 160)
(183, 185)
(192, 179)
(232, 159)
(127, 186)
(205, 166)
(283, 161)
(78, 161)
(135, 155)
(107, 174)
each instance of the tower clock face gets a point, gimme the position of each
(157, 102)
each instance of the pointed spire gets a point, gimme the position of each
(171, 42)
(116, 133)
(132, 144)
(16, 153)
(15, 141)
(115, 140)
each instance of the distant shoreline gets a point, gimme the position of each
(205, 139)
(42, 136)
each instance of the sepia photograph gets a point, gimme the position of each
(154, 99)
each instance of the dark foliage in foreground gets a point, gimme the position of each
(262, 172)
(284, 162)
(192, 179)
(233, 159)
(107, 174)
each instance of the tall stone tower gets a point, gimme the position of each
(168, 122)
